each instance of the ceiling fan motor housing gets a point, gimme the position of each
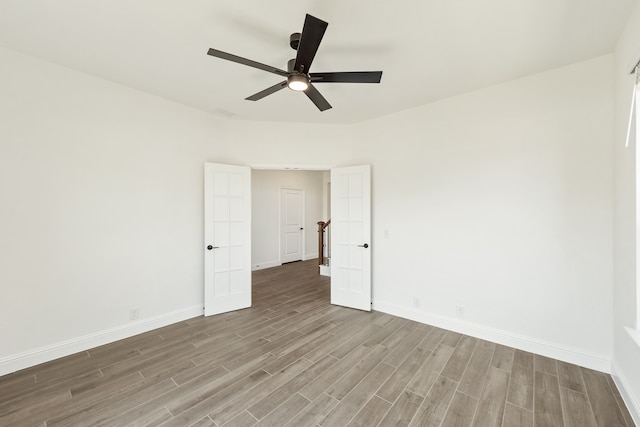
(294, 40)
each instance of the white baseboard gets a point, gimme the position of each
(307, 257)
(263, 265)
(269, 264)
(599, 362)
(630, 399)
(47, 353)
(325, 270)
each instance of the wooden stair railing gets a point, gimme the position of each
(321, 227)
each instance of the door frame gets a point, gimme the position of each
(273, 166)
(291, 166)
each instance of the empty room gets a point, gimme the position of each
(472, 166)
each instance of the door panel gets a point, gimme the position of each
(291, 224)
(227, 232)
(351, 237)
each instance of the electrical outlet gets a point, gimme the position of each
(134, 313)
(416, 302)
(460, 311)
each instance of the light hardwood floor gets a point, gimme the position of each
(293, 359)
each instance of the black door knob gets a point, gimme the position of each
(209, 247)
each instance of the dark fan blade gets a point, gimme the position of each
(317, 98)
(312, 33)
(267, 91)
(244, 61)
(347, 77)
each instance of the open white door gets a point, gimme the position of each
(351, 237)
(227, 238)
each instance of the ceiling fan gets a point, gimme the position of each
(298, 76)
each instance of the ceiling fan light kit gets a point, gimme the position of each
(298, 82)
(298, 77)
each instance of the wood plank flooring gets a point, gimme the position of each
(295, 360)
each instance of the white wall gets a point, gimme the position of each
(97, 210)
(501, 201)
(326, 195)
(265, 217)
(498, 200)
(101, 205)
(626, 360)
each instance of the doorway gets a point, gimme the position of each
(282, 202)
(228, 211)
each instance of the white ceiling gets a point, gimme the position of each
(428, 49)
